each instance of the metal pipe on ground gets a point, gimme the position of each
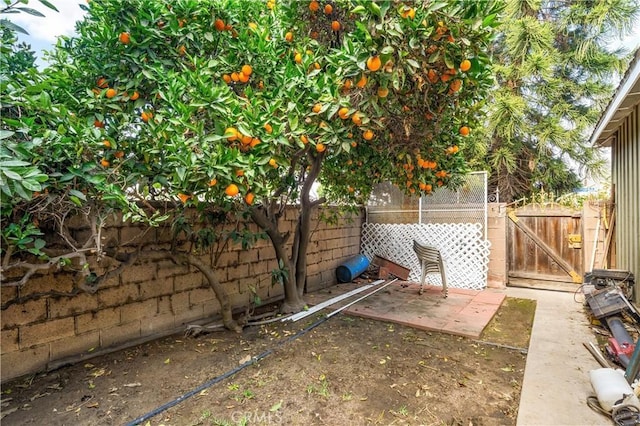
(320, 306)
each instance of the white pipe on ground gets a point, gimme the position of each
(320, 306)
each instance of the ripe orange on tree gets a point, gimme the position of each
(104, 162)
(367, 135)
(106, 143)
(226, 78)
(321, 147)
(124, 38)
(374, 63)
(304, 139)
(455, 86)
(102, 83)
(343, 113)
(408, 13)
(134, 96)
(298, 58)
(328, 9)
(273, 163)
(213, 182)
(242, 77)
(357, 120)
(110, 93)
(465, 65)
(288, 36)
(464, 131)
(254, 142)
(432, 75)
(231, 133)
(268, 128)
(314, 6)
(362, 82)
(219, 24)
(247, 70)
(146, 116)
(335, 26)
(249, 198)
(184, 197)
(232, 190)
(317, 107)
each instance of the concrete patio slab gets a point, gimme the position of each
(464, 313)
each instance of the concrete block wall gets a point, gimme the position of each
(497, 236)
(151, 299)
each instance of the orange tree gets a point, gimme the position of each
(244, 105)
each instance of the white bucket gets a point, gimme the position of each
(612, 388)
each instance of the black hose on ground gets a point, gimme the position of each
(230, 373)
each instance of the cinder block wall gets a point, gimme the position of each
(151, 299)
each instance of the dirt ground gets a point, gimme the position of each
(346, 370)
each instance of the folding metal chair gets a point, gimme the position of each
(431, 262)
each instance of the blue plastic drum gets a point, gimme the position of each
(351, 268)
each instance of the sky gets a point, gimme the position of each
(43, 31)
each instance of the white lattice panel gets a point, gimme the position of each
(464, 251)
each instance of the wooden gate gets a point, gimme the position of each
(544, 247)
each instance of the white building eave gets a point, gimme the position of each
(625, 99)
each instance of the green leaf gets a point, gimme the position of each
(488, 21)
(448, 61)
(387, 50)
(6, 134)
(31, 185)
(375, 9)
(10, 25)
(276, 407)
(14, 163)
(435, 6)
(413, 63)
(39, 244)
(75, 200)
(12, 175)
(78, 194)
(31, 11)
(49, 5)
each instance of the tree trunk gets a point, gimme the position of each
(218, 289)
(303, 230)
(267, 219)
